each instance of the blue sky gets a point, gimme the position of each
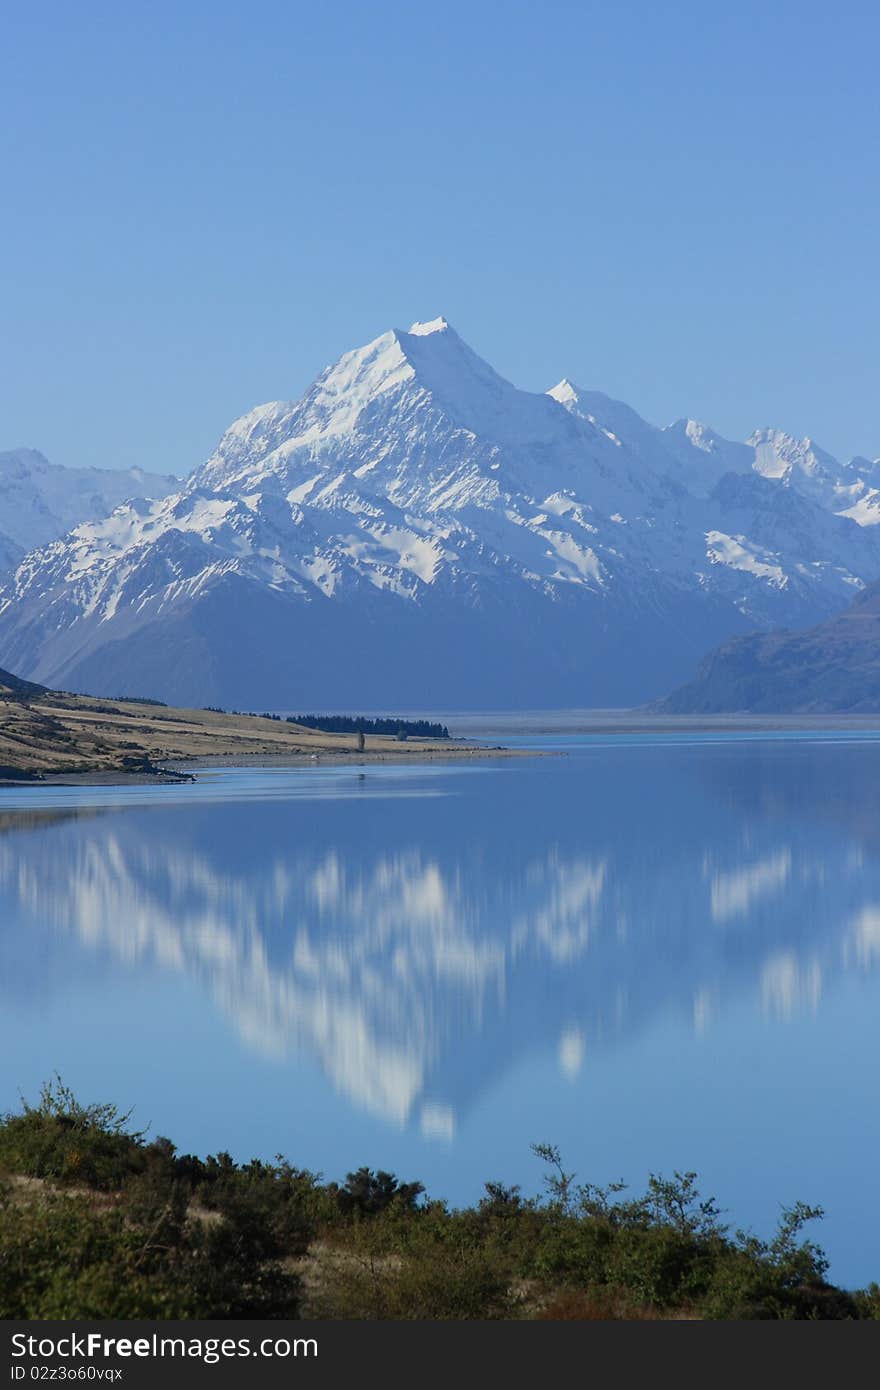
(205, 203)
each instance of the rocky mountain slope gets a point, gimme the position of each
(831, 668)
(416, 531)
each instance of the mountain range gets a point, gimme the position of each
(41, 501)
(417, 532)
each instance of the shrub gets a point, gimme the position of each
(366, 1193)
(413, 1265)
(64, 1256)
(97, 1222)
(67, 1142)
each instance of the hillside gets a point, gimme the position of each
(417, 531)
(11, 685)
(45, 733)
(831, 668)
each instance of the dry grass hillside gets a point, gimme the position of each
(47, 733)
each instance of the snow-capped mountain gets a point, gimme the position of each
(416, 531)
(850, 489)
(40, 501)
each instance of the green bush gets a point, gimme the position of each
(96, 1222)
(63, 1256)
(413, 1265)
(366, 1193)
(66, 1142)
(867, 1302)
(289, 1201)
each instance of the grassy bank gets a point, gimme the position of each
(96, 1220)
(47, 733)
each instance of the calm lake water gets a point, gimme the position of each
(656, 951)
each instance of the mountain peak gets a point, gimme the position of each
(694, 432)
(564, 391)
(23, 461)
(423, 330)
(777, 452)
(415, 522)
(769, 435)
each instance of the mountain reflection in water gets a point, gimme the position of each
(657, 952)
(416, 947)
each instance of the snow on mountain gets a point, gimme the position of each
(419, 419)
(687, 451)
(416, 531)
(40, 501)
(850, 489)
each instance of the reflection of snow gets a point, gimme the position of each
(377, 954)
(571, 893)
(572, 1049)
(409, 977)
(733, 894)
(702, 1011)
(787, 984)
(437, 1121)
(863, 939)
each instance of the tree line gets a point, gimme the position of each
(361, 724)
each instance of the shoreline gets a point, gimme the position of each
(550, 722)
(51, 738)
(353, 758)
(182, 771)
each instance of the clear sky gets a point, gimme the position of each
(204, 203)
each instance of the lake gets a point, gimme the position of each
(656, 950)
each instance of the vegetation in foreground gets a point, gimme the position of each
(96, 1221)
